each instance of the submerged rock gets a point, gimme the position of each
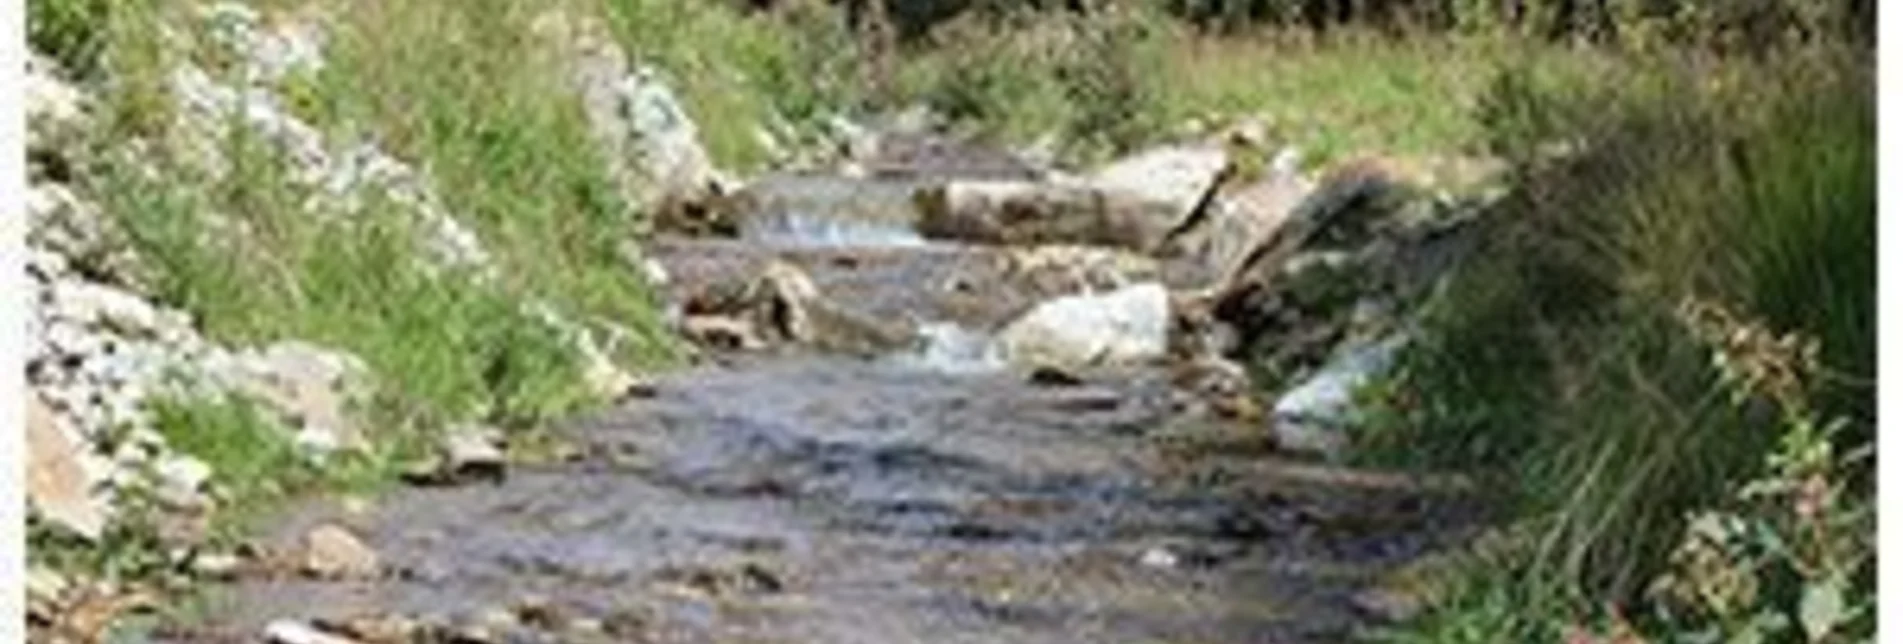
(1124, 326)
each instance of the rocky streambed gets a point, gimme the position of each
(900, 432)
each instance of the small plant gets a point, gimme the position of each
(1792, 558)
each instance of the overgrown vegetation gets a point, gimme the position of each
(1559, 357)
(230, 234)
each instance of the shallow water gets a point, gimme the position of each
(927, 496)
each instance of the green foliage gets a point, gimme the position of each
(486, 108)
(1090, 78)
(71, 32)
(1558, 357)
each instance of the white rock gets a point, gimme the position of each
(286, 631)
(1312, 416)
(316, 388)
(59, 485)
(49, 99)
(1159, 558)
(182, 480)
(1123, 326)
(91, 303)
(655, 273)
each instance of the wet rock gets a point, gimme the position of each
(1159, 558)
(296, 632)
(1077, 331)
(333, 552)
(721, 332)
(59, 486)
(785, 297)
(1073, 269)
(1012, 212)
(468, 453)
(723, 581)
(1313, 416)
(382, 629)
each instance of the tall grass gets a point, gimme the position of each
(1556, 360)
(738, 73)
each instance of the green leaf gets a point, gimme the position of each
(1822, 608)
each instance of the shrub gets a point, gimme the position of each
(1556, 356)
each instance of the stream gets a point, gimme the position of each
(920, 494)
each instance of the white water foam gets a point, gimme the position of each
(799, 229)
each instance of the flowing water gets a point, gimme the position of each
(927, 495)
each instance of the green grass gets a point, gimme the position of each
(1557, 360)
(1111, 83)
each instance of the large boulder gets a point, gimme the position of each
(1127, 325)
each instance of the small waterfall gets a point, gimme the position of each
(799, 229)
